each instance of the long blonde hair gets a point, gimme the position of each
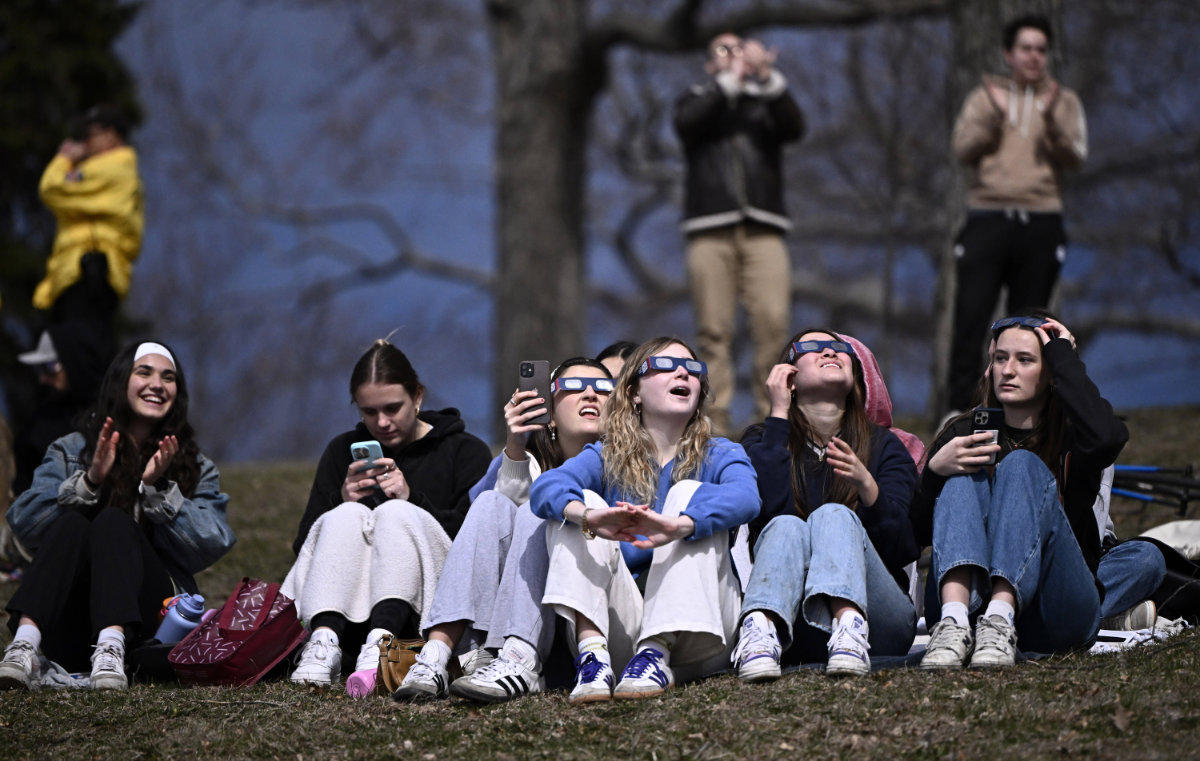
(630, 464)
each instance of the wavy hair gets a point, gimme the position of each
(856, 432)
(120, 489)
(630, 464)
(544, 447)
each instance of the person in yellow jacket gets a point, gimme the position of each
(93, 189)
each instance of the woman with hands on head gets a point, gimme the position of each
(1017, 544)
(638, 533)
(119, 516)
(490, 591)
(374, 535)
(835, 532)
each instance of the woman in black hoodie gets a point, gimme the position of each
(374, 535)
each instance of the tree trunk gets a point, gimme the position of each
(976, 28)
(544, 95)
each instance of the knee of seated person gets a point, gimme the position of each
(1021, 460)
(784, 525)
(679, 496)
(492, 501)
(830, 513)
(111, 516)
(70, 522)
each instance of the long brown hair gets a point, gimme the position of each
(856, 432)
(1049, 434)
(547, 449)
(630, 464)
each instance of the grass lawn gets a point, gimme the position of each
(1141, 704)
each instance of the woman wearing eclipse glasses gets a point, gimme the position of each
(638, 532)
(835, 532)
(1017, 544)
(490, 591)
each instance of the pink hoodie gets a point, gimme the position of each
(879, 402)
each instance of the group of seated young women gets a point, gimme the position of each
(606, 533)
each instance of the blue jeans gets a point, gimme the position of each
(799, 565)
(1130, 572)
(1011, 526)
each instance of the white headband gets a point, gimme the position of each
(153, 348)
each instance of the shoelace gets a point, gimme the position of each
(108, 657)
(588, 666)
(946, 633)
(648, 658)
(993, 634)
(754, 642)
(847, 639)
(420, 671)
(19, 651)
(320, 650)
(496, 669)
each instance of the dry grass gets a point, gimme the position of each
(1140, 704)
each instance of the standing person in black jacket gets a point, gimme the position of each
(373, 539)
(733, 129)
(1021, 537)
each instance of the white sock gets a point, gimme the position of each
(519, 651)
(849, 617)
(436, 652)
(956, 611)
(597, 646)
(1002, 609)
(111, 635)
(30, 634)
(761, 620)
(659, 642)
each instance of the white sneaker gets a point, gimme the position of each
(995, 643)
(20, 665)
(366, 667)
(497, 682)
(320, 662)
(475, 661)
(426, 680)
(594, 680)
(949, 646)
(848, 648)
(645, 676)
(1140, 616)
(108, 666)
(757, 653)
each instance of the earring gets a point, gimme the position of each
(553, 433)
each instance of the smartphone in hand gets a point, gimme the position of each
(366, 450)
(534, 375)
(988, 420)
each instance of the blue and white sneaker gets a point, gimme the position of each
(646, 676)
(757, 653)
(593, 680)
(848, 648)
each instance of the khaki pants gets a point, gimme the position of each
(747, 262)
(690, 591)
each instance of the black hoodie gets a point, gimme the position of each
(440, 468)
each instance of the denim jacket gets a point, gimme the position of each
(189, 534)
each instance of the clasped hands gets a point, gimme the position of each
(636, 524)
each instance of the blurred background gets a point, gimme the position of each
(494, 181)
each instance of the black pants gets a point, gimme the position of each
(397, 616)
(1022, 251)
(90, 300)
(89, 574)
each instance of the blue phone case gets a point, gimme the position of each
(366, 450)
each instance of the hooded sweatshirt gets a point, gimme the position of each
(440, 468)
(1017, 158)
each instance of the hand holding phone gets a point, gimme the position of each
(988, 420)
(366, 451)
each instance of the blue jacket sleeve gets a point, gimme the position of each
(551, 492)
(38, 507)
(198, 535)
(728, 494)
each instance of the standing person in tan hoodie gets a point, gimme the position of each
(1017, 135)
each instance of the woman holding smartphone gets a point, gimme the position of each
(491, 587)
(1017, 544)
(119, 516)
(835, 532)
(374, 535)
(638, 529)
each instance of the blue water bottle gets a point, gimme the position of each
(181, 614)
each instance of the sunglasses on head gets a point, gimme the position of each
(667, 364)
(808, 347)
(1025, 322)
(599, 385)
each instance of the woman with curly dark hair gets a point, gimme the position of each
(120, 515)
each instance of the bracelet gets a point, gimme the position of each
(88, 483)
(583, 525)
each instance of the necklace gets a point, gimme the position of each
(1016, 437)
(820, 451)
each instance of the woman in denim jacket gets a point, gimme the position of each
(120, 515)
